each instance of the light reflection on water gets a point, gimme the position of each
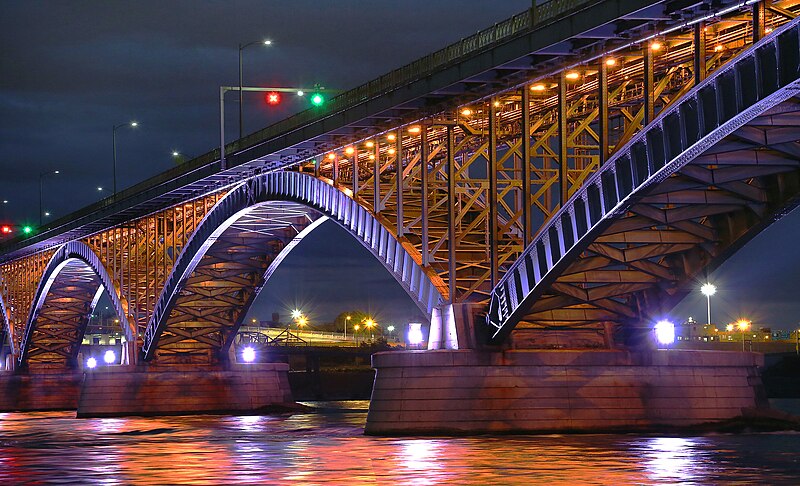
(330, 448)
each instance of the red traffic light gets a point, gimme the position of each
(273, 98)
(5, 229)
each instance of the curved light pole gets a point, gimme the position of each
(708, 290)
(241, 48)
(41, 184)
(132, 124)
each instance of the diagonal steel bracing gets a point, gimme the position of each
(463, 189)
(712, 171)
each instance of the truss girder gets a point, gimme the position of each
(648, 266)
(450, 193)
(234, 250)
(61, 306)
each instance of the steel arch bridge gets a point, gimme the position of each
(571, 178)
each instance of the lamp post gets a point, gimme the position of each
(132, 124)
(743, 326)
(241, 104)
(41, 179)
(708, 290)
(346, 320)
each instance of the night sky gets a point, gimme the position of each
(69, 71)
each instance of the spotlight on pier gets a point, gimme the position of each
(248, 354)
(415, 337)
(91, 363)
(665, 332)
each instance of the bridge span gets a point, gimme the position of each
(555, 182)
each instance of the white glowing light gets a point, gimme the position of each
(665, 332)
(248, 354)
(708, 289)
(91, 363)
(415, 334)
(109, 357)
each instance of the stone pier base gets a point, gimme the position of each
(471, 392)
(38, 392)
(251, 388)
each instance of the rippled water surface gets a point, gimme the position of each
(329, 447)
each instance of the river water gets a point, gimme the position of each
(330, 448)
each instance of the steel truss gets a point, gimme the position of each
(71, 285)
(237, 247)
(711, 172)
(461, 194)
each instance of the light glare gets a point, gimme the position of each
(109, 357)
(248, 354)
(91, 363)
(708, 289)
(665, 332)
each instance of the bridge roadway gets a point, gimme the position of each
(575, 168)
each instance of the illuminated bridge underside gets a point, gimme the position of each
(238, 246)
(709, 174)
(72, 284)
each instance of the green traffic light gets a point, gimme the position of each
(27, 230)
(317, 99)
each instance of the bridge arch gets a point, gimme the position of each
(276, 198)
(5, 325)
(707, 175)
(71, 285)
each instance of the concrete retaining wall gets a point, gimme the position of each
(470, 391)
(39, 392)
(245, 388)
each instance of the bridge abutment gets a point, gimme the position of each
(513, 391)
(251, 388)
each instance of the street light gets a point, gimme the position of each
(296, 314)
(708, 290)
(743, 325)
(132, 124)
(241, 103)
(346, 320)
(41, 178)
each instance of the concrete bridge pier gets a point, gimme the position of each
(152, 390)
(469, 391)
(39, 391)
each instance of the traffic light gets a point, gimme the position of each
(317, 99)
(5, 230)
(27, 229)
(273, 98)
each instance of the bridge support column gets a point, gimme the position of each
(453, 327)
(39, 392)
(120, 391)
(472, 391)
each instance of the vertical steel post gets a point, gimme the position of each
(335, 169)
(649, 85)
(376, 179)
(759, 20)
(398, 163)
(602, 107)
(492, 172)
(563, 161)
(355, 171)
(699, 53)
(423, 173)
(451, 214)
(525, 151)
(317, 163)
